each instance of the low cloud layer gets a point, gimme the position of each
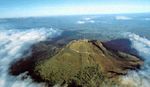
(13, 44)
(122, 18)
(147, 19)
(86, 20)
(139, 78)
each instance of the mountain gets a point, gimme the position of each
(86, 63)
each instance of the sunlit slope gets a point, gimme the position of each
(86, 63)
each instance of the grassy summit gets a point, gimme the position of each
(85, 63)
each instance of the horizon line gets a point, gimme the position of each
(57, 15)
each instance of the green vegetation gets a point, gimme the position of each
(55, 72)
(86, 64)
(89, 76)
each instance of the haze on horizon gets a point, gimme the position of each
(29, 8)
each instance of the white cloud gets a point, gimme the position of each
(142, 77)
(86, 20)
(147, 19)
(92, 21)
(13, 43)
(81, 22)
(123, 18)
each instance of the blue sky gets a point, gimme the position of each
(25, 8)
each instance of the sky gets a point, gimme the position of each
(28, 8)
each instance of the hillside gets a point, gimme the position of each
(86, 63)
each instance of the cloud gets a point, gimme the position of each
(142, 77)
(147, 19)
(91, 21)
(81, 22)
(86, 20)
(122, 18)
(13, 44)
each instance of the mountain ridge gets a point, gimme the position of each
(80, 54)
